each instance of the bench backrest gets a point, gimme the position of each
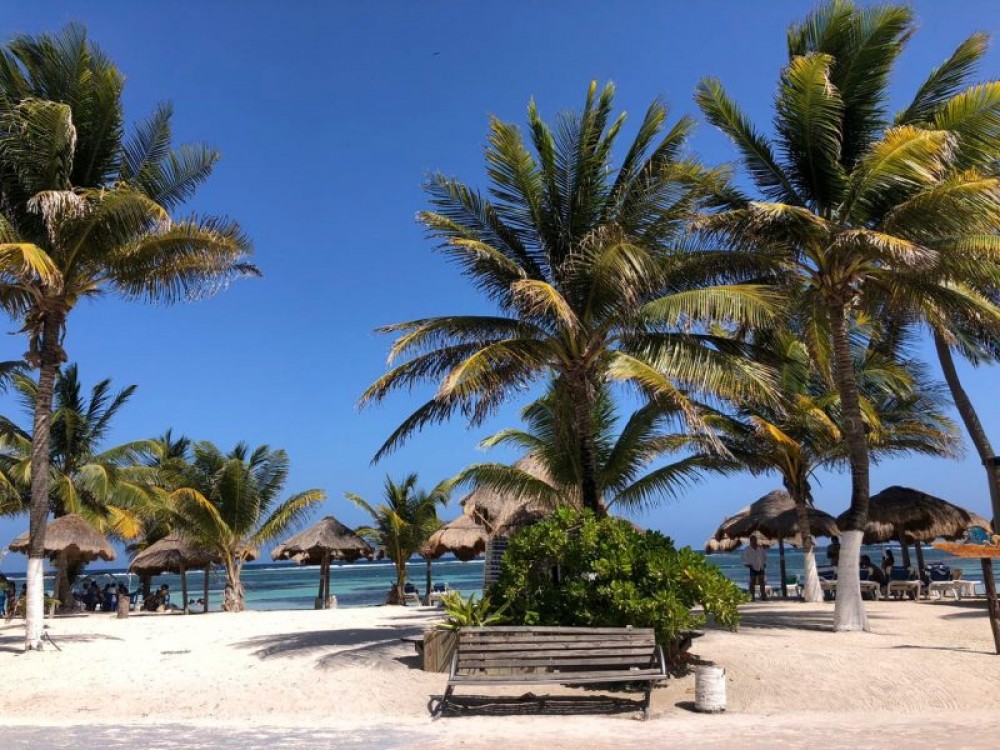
(559, 649)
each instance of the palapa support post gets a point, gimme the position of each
(427, 593)
(321, 594)
(905, 549)
(781, 561)
(204, 601)
(327, 596)
(920, 559)
(184, 588)
(991, 600)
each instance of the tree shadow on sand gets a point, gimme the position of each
(791, 619)
(354, 646)
(13, 643)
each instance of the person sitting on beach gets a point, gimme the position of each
(875, 573)
(888, 561)
(755, 559)
(833, 551)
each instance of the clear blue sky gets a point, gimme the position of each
(328, 117)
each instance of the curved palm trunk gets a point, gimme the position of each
(396, 596)
(849, 613)
(977, 434)
(48, 360)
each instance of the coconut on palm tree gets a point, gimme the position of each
(625, 453)
(845, 203)
(229, 503)
(85, 211)
(801, 432)
(575, 250)
(402, 523)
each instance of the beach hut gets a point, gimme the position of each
(910, 516)
(175, 554)
(322, 542)
(776, 517)
(68, 540)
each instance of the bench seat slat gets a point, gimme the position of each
(568, 678)
(598, 641)
(582, 646)
(542, 653)
(567, 664)
(554, 629)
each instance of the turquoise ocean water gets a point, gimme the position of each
(365, 583)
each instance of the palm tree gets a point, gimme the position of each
(802, 432)
(843, 212)
(402, 524)
(576, 256)
(623, 456)
(85, 211)
(109, 486)
(228, 503)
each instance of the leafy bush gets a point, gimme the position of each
(576, 569)
(468, 613)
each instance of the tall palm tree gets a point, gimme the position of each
(624, 453)
(85, 211)
(229, 503)
(576, 255)
(402, 524)
(843, 211)
(802, 431)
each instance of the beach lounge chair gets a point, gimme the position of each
(903, 582)
(941, 581)
(437, 591)
(411, 595)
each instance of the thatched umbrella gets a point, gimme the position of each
(502, 514)
(69, 539)
(322, 542)
(175, 554)
(910, 516)
(462, 536)
(776, 516)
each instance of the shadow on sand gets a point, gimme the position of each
(13, 643)
(530, 704)
(354, 645)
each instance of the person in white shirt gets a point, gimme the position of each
(755, 559)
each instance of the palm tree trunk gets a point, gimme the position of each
(849, 612)
(49, 358)
(977, 434)
(235, 601)
(583, 398)
(184, 590)
(811, 591)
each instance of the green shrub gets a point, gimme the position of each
(575, 569)
(468, 613)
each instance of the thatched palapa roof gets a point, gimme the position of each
(463, 537)
(170, 555)
(915, 516)
(327, 537)
(503, 514)
(73, 536)
(776, 516)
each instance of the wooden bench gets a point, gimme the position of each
(528, 655)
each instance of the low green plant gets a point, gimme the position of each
(468, 612)
(576, 569)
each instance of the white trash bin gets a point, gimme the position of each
(709, 689)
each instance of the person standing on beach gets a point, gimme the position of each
(833, 551)
(755, 559)
(888, 561)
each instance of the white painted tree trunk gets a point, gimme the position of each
(34, 606)
(811, 591)
(849, 612)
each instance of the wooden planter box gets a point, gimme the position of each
(439, 646)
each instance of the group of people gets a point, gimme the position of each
(158, 600)
(92, 596)
(755, 560)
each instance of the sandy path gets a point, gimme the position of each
(926, 672)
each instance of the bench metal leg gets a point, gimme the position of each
(646, 701)
(442, 704)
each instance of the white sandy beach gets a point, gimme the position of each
(925, 672)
